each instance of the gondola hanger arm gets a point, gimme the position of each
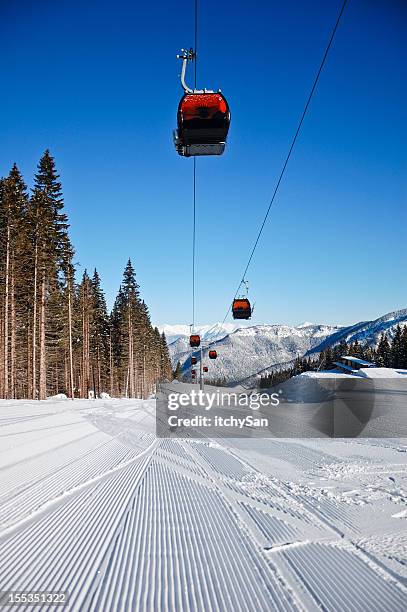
(189, 56)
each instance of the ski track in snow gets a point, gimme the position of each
(92, 503)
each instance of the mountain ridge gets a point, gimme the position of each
(249, 351)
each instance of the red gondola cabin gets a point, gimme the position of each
(194, 361)
(194, 340)
(213, 354)
(203, 123)
(205, 368)
(241, 308)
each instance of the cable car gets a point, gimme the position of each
(241, 308)
(194, 361)
(213, 354)
(193, 372)
(203, 118)
(194, 340)
(203, 124)
(205, 368)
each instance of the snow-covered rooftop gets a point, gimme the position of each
(361, 362)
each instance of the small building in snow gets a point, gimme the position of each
(353, 364)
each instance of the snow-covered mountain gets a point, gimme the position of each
(208, 333)
(245, 352)
(369, 331)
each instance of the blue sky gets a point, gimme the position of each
(97, 83)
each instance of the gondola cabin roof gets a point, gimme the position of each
(202, 105)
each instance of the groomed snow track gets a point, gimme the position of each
(93, 504)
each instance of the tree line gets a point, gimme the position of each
(56, 335)
(389, 353)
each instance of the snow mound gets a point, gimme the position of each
(59, 396)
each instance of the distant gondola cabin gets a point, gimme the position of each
(241, 308)
(194, 341)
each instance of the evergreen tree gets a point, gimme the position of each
(130, 325)
(85, 304)
(355, 349)
(368, 353)
(166, 368)
(403, 356)
(383, 353)
(69, 323)
(13, 246)
(396, 348)
(178, 371)
(49, 236)
(116, 345)
(99, 336)
(328, 363)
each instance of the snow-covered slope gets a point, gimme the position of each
(92, 503)
(245, 352)
(368, 331)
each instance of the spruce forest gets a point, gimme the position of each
(56, 335)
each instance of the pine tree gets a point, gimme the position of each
(178, 371)
(86, 317)
(130, 290)
(396, 348)
(99, 336)
(69, 302)
(403, 359)
(49, 235)
(13, 211)
(355, 349)
(116, 353)
(328, 360)
(368, 353)
(166, 368)
(383, 352)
